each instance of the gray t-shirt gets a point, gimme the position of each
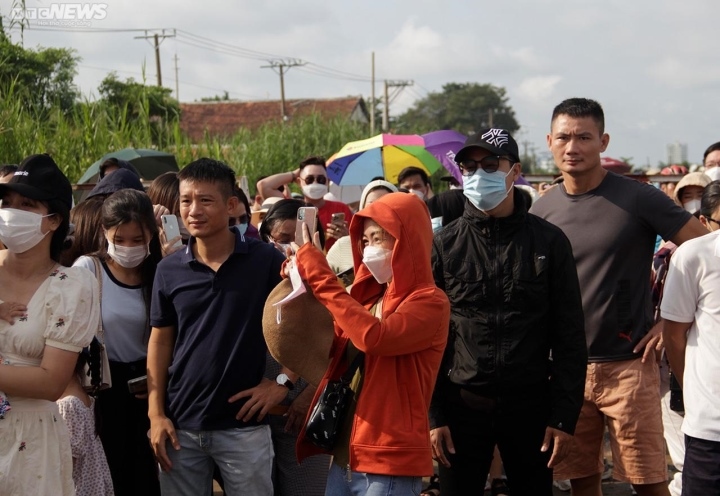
(612, 230)
(124, 317)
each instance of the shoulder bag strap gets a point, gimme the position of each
(99, 277)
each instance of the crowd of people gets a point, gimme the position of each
(504, 331)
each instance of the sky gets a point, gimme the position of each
(654, 65)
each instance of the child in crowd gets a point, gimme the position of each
(91, 473)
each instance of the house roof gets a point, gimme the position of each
(225, 118)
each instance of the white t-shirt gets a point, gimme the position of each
(692, 294)
(124, 317)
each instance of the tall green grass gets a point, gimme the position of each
(81, 136)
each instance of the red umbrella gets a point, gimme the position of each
(615, 165)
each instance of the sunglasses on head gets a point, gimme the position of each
(309, 179)
(488, 164)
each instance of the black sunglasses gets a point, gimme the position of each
(488, 164)
(309, 179)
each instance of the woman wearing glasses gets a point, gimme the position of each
(311, 177)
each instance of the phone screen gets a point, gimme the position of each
(305, 215)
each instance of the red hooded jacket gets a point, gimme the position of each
(390, 430)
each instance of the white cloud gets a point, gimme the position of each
(538, 89)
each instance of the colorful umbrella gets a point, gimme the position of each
(384, 155)
(443, 145)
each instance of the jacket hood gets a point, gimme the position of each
(115, 181)
(122, 164)
(691, 179)
(407, 219)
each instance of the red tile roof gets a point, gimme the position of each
(225, 118)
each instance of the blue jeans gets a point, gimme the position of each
(364, 484)
(244, 457)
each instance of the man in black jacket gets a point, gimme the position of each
(514, 367)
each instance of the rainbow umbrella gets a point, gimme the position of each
(384, 155)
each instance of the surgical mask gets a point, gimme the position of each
(692, 206)
(128, 256)
(486, 190)
(418, 193)
(20, 230)
(377, 260)
(242, 228)
(315, 191)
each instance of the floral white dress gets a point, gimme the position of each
(64, 312)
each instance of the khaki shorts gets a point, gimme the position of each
(625, 396)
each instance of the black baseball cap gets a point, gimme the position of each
(39, 178)
(495, 140)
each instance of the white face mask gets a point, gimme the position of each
(692, 206)
(378, 262)
(418, 193)
(315, 191)
(128, 256)
(20, 230)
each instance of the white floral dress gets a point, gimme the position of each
(35, 456)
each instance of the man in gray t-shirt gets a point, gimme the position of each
(612, 223)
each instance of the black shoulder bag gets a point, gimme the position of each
(329, 413)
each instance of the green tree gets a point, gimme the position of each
(464, 107)
(43, 76)
(136, 100)
(225, 97)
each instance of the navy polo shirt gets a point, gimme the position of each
(219, 346)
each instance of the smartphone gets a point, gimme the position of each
(337, 218)
(305, 215)
(172, 228)
(138, 385)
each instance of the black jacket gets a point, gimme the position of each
(515, 300)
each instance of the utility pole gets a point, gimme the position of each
(282, 65)
(386, 110)
(158, 38)
(372, 97)
(177, 81)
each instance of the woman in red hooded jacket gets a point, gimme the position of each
(398, 317)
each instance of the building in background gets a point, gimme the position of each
(677, 153)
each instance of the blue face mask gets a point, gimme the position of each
(242, 228)
(486, 190)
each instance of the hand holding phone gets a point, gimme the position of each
(305, 215)
(171, 227)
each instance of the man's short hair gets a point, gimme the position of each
(712, 148)
(317, 160)
(8, 169)
(581, 107)
(208, 170)
(413, 171)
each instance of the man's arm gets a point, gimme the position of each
(675, 337)
(160, 350)
(692, 229)
(270, 186)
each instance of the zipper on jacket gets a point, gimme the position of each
(349, 475)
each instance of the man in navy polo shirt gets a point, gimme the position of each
(206, 353)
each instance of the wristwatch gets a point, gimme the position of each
(284, 380)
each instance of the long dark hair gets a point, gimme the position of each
(129, 205)
(59, 242)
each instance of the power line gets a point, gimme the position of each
(205, 43)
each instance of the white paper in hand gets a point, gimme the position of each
(298, 289)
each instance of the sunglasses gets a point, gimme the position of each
(488, 164)
(309, 179)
